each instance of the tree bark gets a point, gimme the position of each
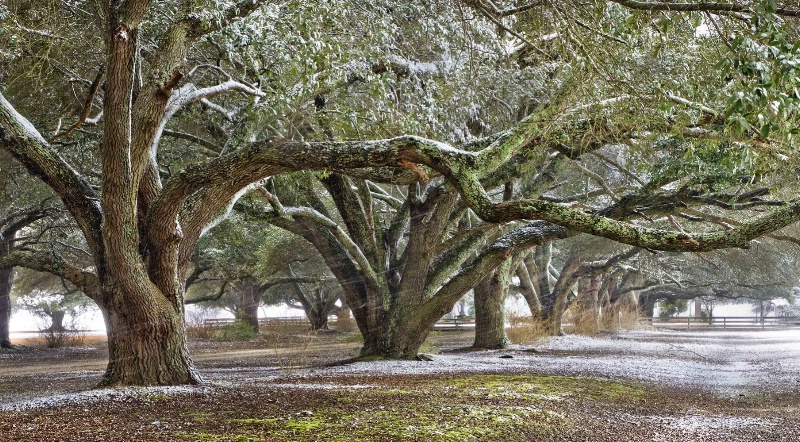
(647, 306)
(56, 321)
(318, 320)
(588, 300)
(146, 342)
(6, 280)
(556, 302)
(490, 316)
(248, 313)
(526, 284)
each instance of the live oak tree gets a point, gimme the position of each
(141, 220)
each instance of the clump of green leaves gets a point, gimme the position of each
(765, 66)
(238, 331)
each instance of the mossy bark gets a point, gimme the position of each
(490, 317)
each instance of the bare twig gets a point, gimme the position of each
(87, 107)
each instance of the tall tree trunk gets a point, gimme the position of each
(57, 321)
(318, 320)
(555, 303)
(490, 317)
(647, 306)
(526, 284)
(588, 302)
(146, 341)
(6, 280)
(246, 300)
(248, 313)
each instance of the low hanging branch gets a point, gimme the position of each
(86, 281)
(87, 107)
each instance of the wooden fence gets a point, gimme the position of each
(264, 322)
(725, 322)
(457, 323)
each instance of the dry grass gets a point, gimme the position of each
(584, 321)
(299, 338)
(196, 326)
(345, 325)
(40, 341)
(62, 338)
(525, 329)
(622, 318)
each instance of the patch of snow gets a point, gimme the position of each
(706, 427)
(105, 394)
(322, 386)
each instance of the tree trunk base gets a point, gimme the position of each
(148, 349)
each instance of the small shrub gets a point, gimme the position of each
(238, 331)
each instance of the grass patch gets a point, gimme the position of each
(304, 424)
(209, 437)
(254, 421)
(510, 408)
(550, 387)
(435, 424)
(238, 331)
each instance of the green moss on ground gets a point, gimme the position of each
(549, 387)
(466, 408)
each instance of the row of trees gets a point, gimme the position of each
(531, 123)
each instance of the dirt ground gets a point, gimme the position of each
(631, 386)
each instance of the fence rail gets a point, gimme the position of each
(443, 324)
(725, 322)
(266, 322)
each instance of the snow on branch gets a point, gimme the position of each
(700, 6)
(20, 138)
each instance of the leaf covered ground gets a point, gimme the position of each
(256, 393)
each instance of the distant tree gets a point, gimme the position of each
(672, 307)
(49, 297)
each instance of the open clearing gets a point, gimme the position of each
(631, 386)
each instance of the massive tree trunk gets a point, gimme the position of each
(6, 279)
(146, 341)
(490, 316)
(647, 306)
(318, 320)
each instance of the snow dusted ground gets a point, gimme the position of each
(726, 363)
